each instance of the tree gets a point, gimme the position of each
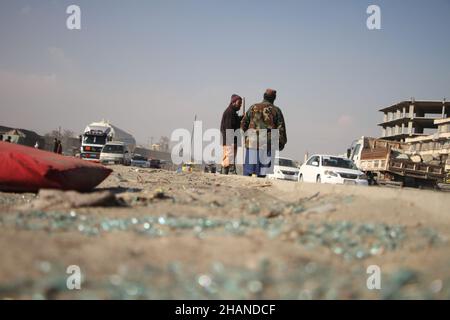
(68, 134)
(52, 134)
(57, 134)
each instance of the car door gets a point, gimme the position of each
(315, 171)
(310, 171)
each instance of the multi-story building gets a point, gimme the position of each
(412, 118)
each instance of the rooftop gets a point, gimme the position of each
(430, 106)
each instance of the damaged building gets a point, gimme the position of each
(408, 119)
(424, 126)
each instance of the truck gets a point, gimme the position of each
(387, 162)
(97, 134)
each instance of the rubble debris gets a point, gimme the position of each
(402, 156)
(360, 241)
(416, 158)
(254, 208)
(427, 158)
(343, 238)
(119, 178)
(324, 208)
(15, 199)
(140, 179)
(160, 194)
(49, 199)
(267, 280)
(314, 196)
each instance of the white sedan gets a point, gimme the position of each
(284, 169)
(331, 169)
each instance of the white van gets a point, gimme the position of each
(115, 153)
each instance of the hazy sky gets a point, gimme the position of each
(150, 66)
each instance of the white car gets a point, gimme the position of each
(331, 169)
(284, 169)
(115, 153)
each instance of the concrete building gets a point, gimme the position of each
(412, 118)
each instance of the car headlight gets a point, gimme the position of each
(331, 173)
(362, 177)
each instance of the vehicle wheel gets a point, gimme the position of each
(300, 178)
(318, 180)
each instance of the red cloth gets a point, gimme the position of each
(26, 169)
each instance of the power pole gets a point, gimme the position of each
(192, 138)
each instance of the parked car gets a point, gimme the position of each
(284, 169)
(155, 163)
(115, 153)
(138, 160)
(331, 169)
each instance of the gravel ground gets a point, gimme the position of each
(198, 236)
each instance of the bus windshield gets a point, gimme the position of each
(92, 139)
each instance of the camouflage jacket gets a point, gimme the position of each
(263, 115)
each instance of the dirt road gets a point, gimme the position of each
(196, 235)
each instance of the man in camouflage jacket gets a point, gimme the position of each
(257, 124)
